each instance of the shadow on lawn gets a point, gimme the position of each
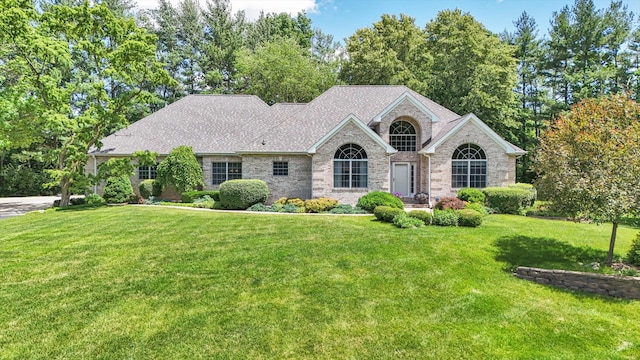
(545, 253)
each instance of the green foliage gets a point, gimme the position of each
(146, 188)
(425, 216)
(445, 218)
(260, 207)
(346, 209)
(204, 202)
(117, 190)
(386, 213)
(450, 202)
(633, 256)
(240, 194)
(18, 179)
(404, 221)
(507, 200)
(192, 196)
(181, 170)
(477, 207)
(374, 199)
(469, 217)
(471, 195)
(156, 188)
(95, 200)
(320, 205)
(533, 192)
(135, 199)
(291, 208)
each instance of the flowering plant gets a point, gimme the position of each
(422, 197)
(397, 194)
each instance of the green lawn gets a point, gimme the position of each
(152, 282)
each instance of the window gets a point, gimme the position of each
(147, 172)
(280, 168)
(469, 167)
(402, 136)
(350, 167)
(223, 171)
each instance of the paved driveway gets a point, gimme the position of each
(13, 206)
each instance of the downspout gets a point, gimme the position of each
(311, 156)
(429, 177)
(95, 173)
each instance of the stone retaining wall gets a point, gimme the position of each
(626, 287)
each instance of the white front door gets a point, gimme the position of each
(400, 179)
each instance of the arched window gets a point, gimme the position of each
(402, 136)
(469, 167)
(350, 167)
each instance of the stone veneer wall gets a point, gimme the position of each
(322, 161)
(500, 166)
(625, 287)
(296, 184)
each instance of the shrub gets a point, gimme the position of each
(374, 199)
(386, 213)
(204, 202)
(259, 207)
(290, 208)
(181, 169)
(117, 189)
(346, 209)
(95, 200)
(281, 201)
(156, 188)
(241, 193)
(508, 200)
(135, 199)
(77, 201)
(470, 218)
(450, 202)
(471, 195)
(146, 188)
(477, 207)
(445, 218)
(297, 202)
(633, 257)
(320, 205)
(533, 193)
(425, 216)
(404, 221)
(192, 196)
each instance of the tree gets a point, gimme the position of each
(181, 170)
(589, 162)
(272, 27)
(81, 71)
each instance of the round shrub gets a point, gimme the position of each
(477, 207)
(425, 216)
(445, 218)
(146, 188)
(118, 189)
(240, 194)
(508, 200)
(633, 257)
(386, 213)
(374, 199)
(450, 202)
(95, 200)
(470, 218)
(471, 195)
(156, 189)
(320, 205)
(404, 221)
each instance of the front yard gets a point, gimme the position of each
(152, 282)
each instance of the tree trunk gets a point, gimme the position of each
(64, 192)
(612, 243)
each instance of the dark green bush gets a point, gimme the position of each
(135, 199)
(291, 208)
(191, 196)
(404, 221)
(156, 189)
(94, 200)
(146, 188)
(445, 218)
(386, 213)
(508, 200)
(633, 257)
(533, 193)
(346, 209)
(450, 202)
(117, 189)
(477, 207)
(320, 205)
(180, 169)
(260, 207)
(374, 199)
(470, 218)
(425, 216)
(471, 195)
(240, 194)
(77, 201)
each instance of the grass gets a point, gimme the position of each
(152, 282)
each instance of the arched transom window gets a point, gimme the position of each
(350, 167)
(402, 136)
(469, 167)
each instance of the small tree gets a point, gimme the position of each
(589, 162)
(180, 169)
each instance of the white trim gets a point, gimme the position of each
(354, 120)
(508, 147)
(406, 96)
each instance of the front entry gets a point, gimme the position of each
(401, 179)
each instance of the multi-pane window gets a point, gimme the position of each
(280, 168)
(350, 167)
(402, 136)
(147, 172)
(469, 167)
(223, 171)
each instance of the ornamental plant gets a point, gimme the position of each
(181, 170)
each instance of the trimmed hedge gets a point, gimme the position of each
(240, 194)
(425, 216)
(374, 199)
(117, 190)
(471, 195)
(386, 213)
(470, 218)
(445, 218)
(191, 196)
(146, 188)
(450, 202)
(508, 200)
(533, 196)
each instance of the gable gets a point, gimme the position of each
(406, 97)
(352, 121)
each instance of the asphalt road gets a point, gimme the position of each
(14, 206)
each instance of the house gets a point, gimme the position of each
(346, 142)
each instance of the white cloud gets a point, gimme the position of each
(252, 8)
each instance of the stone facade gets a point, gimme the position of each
(296, 184)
